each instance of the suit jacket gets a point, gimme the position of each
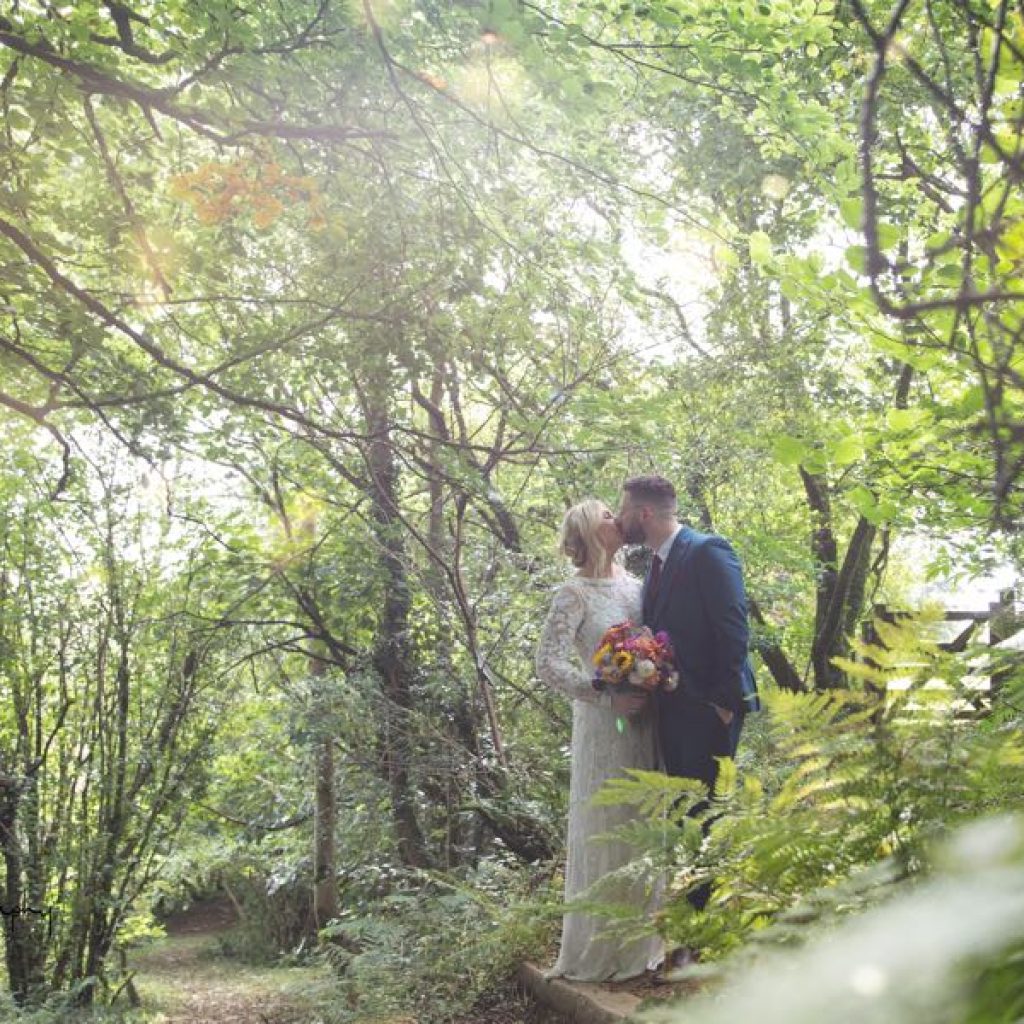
(701, 603)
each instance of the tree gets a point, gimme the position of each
(107, 713)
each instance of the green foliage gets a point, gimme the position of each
(945, 949)
(848, 779)
(525, 250)
(435, 943)
(268, 879)
(105, 716)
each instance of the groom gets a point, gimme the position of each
(694, 591)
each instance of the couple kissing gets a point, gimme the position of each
(694, 593)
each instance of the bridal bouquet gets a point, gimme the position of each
(632, 657)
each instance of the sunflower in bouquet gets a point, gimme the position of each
(632, 658)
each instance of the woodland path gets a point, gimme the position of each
(189, 977)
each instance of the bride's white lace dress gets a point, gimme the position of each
(582, 609)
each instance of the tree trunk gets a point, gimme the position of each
(775, 658)
(465, 716)
(840, 591)
(24, 945)
(325, 868)
(391, 655)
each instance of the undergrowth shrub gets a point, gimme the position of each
(435, 942)
(268, 880)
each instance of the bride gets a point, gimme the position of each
(599, 595)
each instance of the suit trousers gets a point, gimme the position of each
(699, 736)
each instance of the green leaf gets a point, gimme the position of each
(864, 501)
(902, 420)
(790, 451)
(857, 257)
(760, 247)
(852, 211)
(848, 450)
(790, 288)
(18, 119)
(815, 461)
(886, 511)
(973, 400)
(889, 235)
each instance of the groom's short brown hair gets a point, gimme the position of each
(652, 490)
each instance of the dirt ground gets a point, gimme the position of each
(185, 978)
(645, 987)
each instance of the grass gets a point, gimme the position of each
(190, 977)
(187, 979)
(193, 976)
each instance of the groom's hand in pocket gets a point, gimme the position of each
(629, 703)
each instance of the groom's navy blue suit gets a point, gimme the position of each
(701, 603)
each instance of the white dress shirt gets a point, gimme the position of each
(666, 547)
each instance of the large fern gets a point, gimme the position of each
(946, 948)
(849, 778)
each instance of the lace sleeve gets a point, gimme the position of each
(556, 660)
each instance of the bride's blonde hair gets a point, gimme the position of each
(578, 537)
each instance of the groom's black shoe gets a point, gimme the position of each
(680, 957)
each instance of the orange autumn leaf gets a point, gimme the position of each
(257, 189)
(435, 81)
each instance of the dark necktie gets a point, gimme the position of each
(652, 586)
